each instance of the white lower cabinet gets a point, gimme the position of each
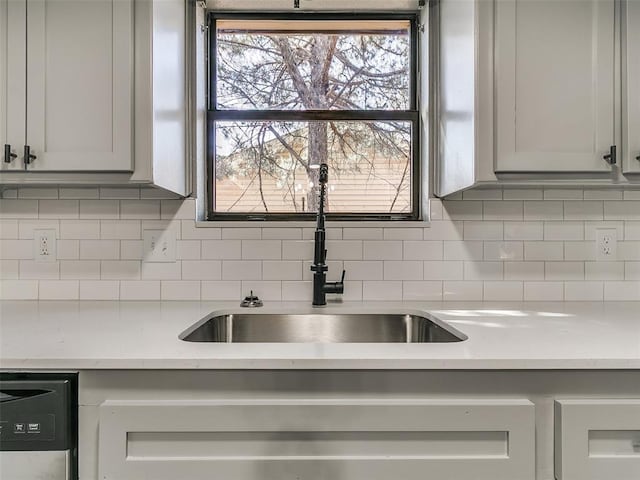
(318, 439)
(597, 439)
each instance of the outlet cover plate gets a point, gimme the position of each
(45, 246)
(159, 246)
(606, 244)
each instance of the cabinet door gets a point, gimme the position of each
(317, 440)
(79, 84)
(554, 85)
(597, 439)
(13, 17)
(631, 95)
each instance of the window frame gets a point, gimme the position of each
(412, 115)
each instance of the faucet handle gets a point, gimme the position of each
(342, 279)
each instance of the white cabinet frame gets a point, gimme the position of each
(631, 85)
(163, 439)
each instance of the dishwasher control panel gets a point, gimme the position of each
(35, 415)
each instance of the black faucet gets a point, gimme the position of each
(319, 268)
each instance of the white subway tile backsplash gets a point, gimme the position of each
(422, 290)
(543, 251)
(364, 270)
(543, 291)
(68, 249)
(632, 270)
(241, 270)
(180, 290)
(221, 249)
(413, 233)
(282, 270)
(80, 269)
(140, 290)
(59, 208)
(13, 208)
(462, 291)
(31, 270)
(140, 209)
(629, 250)
(261, 249)
(523, 230)
(437, 270)
(381, 290)
(503, 210)
(346, 250)
(26, 227)
(191, 232)
(503, 291)
(19, 290)
(423, 250)
(563, 194)
(583, 210)
(403, 270)
(161, 271)
(79, 193)
(564, 271)
(622, 291)
(563, 230)
(99, 290)
(9, 269)
(624, 210)
(220, 290)
(524, 270)
(467, 250)
(503, 251)
(59, 290)
(120, 229)
(188, 249)
(500, 245)
(604, 270)
(202, 270)
(583, 291)
(444, 230)
(362, 233)
(486, 230)
(99, 249)
(483, 270)
(120, 269)
(543, 210)
(80, 229)
(107, 209)
(8, 229)
(131, 250)
(16, 249)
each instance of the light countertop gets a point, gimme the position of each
(81, 335)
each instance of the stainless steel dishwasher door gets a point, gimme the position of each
(52, 465)
(38, 426)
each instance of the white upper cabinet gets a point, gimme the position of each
(13, 16)
(631, 90)
(79, 84)
(555, 85)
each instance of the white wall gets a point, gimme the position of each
(489, 244)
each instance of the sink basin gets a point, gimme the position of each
(321, 328)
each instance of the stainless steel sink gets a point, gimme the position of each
(321, 328)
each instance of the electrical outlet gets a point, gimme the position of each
(159, 245)
(44, 245)
(606, 244)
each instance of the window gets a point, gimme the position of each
(288, 92)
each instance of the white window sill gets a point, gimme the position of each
(312, 224)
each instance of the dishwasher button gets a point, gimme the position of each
(19, 428)
(33, 428)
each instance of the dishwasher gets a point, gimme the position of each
(38, 426)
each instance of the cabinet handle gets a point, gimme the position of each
(611, 157)
(28, 156)
(8, 156)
